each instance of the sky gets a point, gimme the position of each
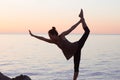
(17, 16)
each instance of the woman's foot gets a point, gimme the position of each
(81, 14)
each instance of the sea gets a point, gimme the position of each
(23, 54)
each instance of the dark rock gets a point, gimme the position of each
(21, 77)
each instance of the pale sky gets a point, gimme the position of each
(17, 16)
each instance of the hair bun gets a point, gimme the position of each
(53, 28)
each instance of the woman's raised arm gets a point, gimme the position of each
(41, 38)
(71, 29)
(74, 26)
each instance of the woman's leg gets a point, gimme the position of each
(81, 42)
(86, 29)
(77, 57)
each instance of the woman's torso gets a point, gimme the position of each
(68, 48)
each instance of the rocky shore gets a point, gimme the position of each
(20, 77)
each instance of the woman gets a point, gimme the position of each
(69, 49)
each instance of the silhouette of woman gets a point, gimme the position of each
(69, 49)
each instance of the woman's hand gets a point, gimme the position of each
(30, 33)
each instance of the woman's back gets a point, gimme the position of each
(67, 47)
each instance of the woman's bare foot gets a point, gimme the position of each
(81, 14)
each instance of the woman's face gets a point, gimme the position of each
(53, 37)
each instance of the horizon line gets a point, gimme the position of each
(70, 33)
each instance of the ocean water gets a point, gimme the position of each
(23, 54)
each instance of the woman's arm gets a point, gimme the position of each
(74, 26)
(41, 38)
(71, 29)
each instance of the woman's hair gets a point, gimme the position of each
(53, 31)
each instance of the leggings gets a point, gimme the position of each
(77, 55)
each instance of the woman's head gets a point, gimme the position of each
(53, 31)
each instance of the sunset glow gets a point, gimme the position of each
(17, 16)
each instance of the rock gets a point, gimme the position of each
(21, 77)
(3, 77)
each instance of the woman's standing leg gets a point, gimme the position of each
(77, 57)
